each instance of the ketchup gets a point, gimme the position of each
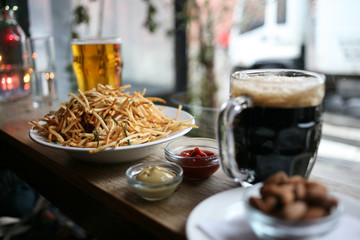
(198, 163)
(196, 152)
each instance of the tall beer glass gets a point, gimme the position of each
(271, 123)
(97, 61)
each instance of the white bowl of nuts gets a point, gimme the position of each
(291, 208)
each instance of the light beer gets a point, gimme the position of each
(97, 61)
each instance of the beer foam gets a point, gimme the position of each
(95, 41)
(280, 91)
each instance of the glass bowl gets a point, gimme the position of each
(195, 165)
(268, 227)
(157, 190)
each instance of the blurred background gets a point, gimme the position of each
(185, 50)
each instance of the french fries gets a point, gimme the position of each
(108, 117)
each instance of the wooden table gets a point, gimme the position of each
(98, 198)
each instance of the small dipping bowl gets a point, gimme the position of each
(196, 167)
(268, 227)
(154, 191)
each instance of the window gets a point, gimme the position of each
(281, 11)
(253, 15)
(148, 57)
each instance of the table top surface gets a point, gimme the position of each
(98, 198)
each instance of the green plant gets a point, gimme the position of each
(199, 19)
(80, 16)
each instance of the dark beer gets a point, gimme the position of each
(271, 139)
(277, 128)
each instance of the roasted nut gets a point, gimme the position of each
(300, 191)
(316, 194)
(270, 190)
(293, 198)
(296, 179)
(287, 196)
(316, 187)
(271, 203)
(330, 202)
(295, 210)
(315, 212)
(277, 178)
(258, 203)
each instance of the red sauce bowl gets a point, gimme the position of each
(195, 163)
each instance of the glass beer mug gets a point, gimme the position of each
(97, 61)
(272, 122)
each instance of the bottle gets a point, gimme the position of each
(14, 62)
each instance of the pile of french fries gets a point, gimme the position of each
(108, 117)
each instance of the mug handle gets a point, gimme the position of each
(225, 126)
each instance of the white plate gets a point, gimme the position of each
(123, 153)
(228, 205)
